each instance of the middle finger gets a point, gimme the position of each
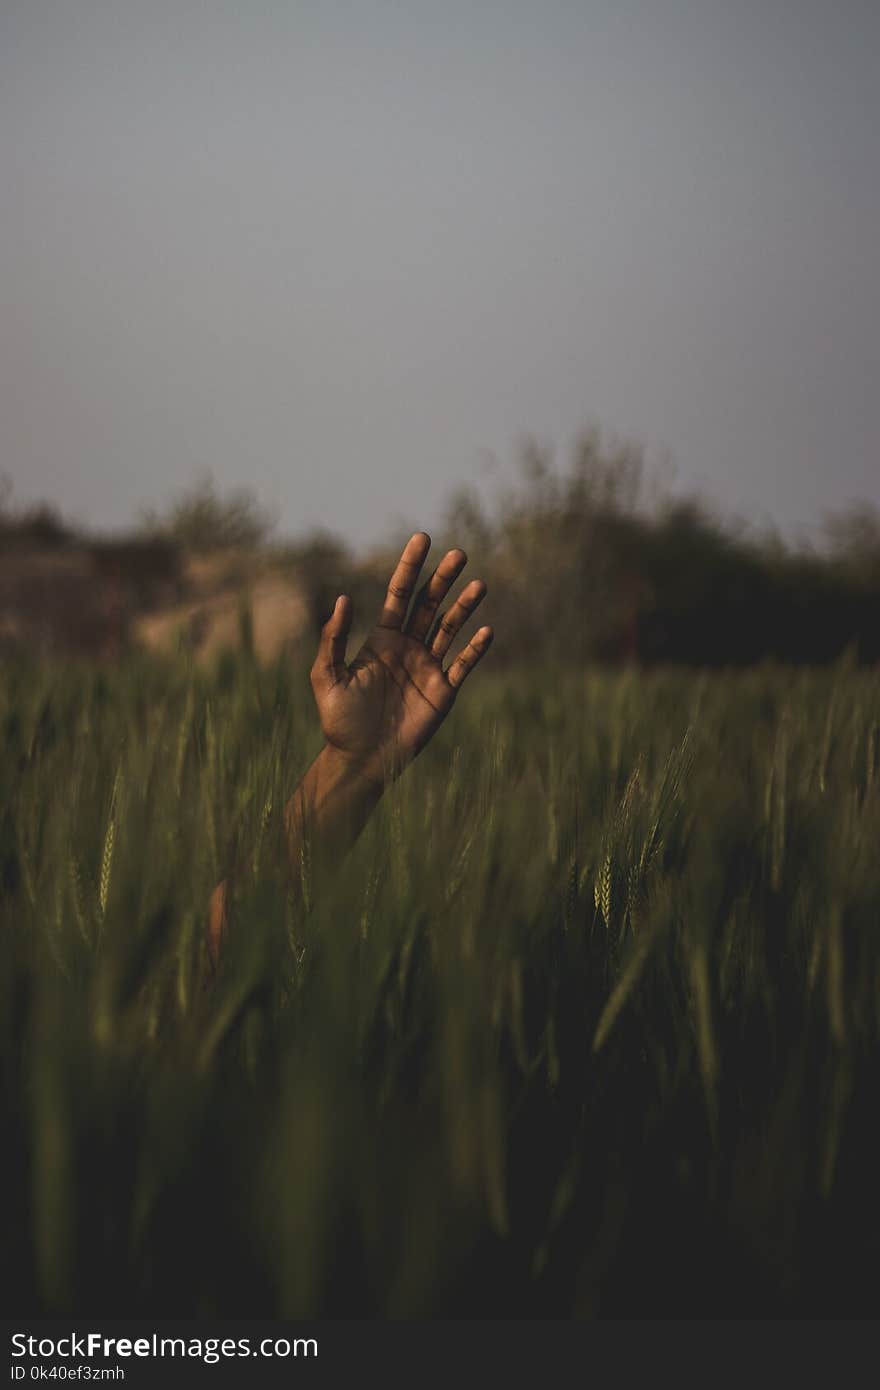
(403, 580)
(455, 617)
(431, 594)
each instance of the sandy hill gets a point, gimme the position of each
(98, 598)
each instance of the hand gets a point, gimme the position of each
(382, 709)
(376, 713)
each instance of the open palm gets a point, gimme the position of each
(383, 707)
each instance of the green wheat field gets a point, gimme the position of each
(587, 1024)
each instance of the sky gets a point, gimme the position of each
(350, 255)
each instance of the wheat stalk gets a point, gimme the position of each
(109, 842)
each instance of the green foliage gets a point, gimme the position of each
(203, 520)
(853, 536)
(324, 567)
(40, 524)
(600, 562)
(587, 1023)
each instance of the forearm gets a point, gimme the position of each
(328, 811)
(322, 820)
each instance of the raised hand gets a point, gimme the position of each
(376, 713)
(381, 709)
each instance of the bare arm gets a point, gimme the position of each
(378, 711)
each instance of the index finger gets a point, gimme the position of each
(403, 580)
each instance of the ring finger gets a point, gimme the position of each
(431, 594)
(456, 617)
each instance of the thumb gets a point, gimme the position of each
(330, 668)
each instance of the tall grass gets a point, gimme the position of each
(587, 1022)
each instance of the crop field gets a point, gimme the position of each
(587, 1024)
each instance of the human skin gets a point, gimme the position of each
(378, 711)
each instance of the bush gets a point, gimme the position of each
(203, 520)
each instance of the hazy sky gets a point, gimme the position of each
(338, 252)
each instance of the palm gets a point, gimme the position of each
(388, 702)
(396, 695)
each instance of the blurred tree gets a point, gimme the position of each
(323, 567)
(562, 553)
(203, 520)
(602, 563)
(853, 539)
(40, 524)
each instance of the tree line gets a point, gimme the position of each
(596, 561)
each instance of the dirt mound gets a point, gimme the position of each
(270, 612)
(96, 600)
(80, 599)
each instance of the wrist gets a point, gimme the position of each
(359, 770)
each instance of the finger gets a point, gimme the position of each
(403, 580)
(456, 617)
(431, 594)
(467, 659)
(329, 667)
